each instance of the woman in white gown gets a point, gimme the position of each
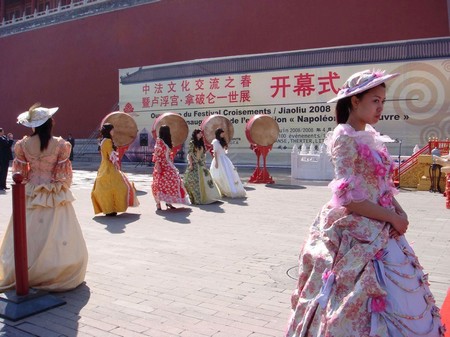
(223, 171)
(57, 253)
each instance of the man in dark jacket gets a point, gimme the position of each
(71, 140)
(6, 143)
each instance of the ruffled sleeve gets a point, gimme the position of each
(20, 163)
(62, 173)
(347, 187)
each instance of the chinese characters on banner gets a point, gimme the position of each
(231, 90)
(197, 92)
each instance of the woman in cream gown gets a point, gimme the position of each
(57, 253)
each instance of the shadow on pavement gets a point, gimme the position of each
(139, 192)
(286, 186)
(117, 224)
(215, 207)
(67, 316)
(75, 299)
(179, 214)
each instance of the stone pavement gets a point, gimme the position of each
(221, 270)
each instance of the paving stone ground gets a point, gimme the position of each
(220, 270)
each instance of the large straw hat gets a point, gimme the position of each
(35, 116)
(362, 81)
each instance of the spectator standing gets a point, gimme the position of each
(71, 140)
(6, 142)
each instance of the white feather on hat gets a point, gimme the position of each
(36, 116)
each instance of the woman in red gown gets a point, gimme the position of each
(167, 185)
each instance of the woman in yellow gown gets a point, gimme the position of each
(112, 192)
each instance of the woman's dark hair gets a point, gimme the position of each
(221, 140)
(105, 131)
(198, 143)
(164, 134)
(44, 132)
(344, 105)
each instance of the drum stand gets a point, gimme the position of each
(209, 148)
(145, 158)
(174, 152)
(261, 175)
(121, 152)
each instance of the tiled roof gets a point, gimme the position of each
(76, 10)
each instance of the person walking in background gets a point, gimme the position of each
(112, 192)
(6, 142)
(222, 169)
(57, 253)
(197, 178)
(358, 276)
(71, 140)
(167, 185)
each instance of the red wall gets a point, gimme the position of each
(75, 65)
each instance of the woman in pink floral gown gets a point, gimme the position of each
(358, 276)
(167, 185)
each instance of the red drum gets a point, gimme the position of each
(262, 130)
(178, 127)
(211, 124)
(125, 128)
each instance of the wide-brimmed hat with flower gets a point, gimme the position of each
(362, 81)
(35, 116)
